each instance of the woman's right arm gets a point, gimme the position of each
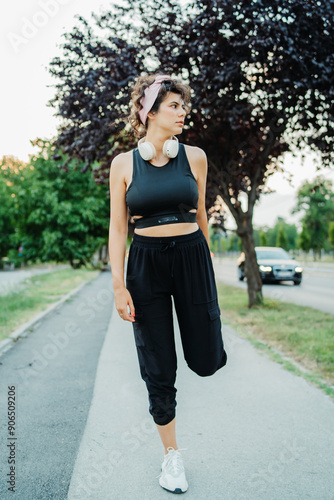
(118, 230)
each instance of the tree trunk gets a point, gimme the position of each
(254, 282)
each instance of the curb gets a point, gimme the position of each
(23, 330)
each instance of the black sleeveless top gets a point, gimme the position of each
(162, 195)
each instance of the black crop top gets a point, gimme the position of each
(162, 195)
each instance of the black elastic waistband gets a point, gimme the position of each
(162, 219)
(157, 241)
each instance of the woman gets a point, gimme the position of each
(163, 183)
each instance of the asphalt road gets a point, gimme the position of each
(13, 280)
(53, 370)
(252, 431)
(316, 289)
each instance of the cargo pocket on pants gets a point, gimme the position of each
(215, 335)
(141, 332)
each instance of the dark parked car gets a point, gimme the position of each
(275, 265)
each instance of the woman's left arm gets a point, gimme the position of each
(199, 167)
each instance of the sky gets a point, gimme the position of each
(30, 34)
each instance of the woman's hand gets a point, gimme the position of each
(123, 302)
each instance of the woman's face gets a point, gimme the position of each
(171, 114)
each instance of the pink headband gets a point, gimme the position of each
(151, 93)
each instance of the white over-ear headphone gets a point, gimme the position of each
(147, 150)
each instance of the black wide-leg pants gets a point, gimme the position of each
(159, 268)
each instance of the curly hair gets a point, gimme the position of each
(173, 85)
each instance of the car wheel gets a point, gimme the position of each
(297, 282)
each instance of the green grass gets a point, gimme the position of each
(300, 338)
(38, 294)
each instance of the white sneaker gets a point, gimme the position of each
(172, 477)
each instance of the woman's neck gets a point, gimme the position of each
(158, 140)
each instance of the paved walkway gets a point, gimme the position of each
(252, 431)
(12, 281)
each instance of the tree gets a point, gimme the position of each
(291, 234)
(290, 231)
(6, 221)
(263, 239)
(304, 241)
(11, 172)
(261, 72)
(316, 200)
(61, 215)
(281, 238)
(331, 234)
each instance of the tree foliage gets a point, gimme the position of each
(60, 214)
(316, 200)
(290, 231)
(304, 240)
(263, 239)
(331, 234)
(261, 73)
(12, 171)
(282, 240)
